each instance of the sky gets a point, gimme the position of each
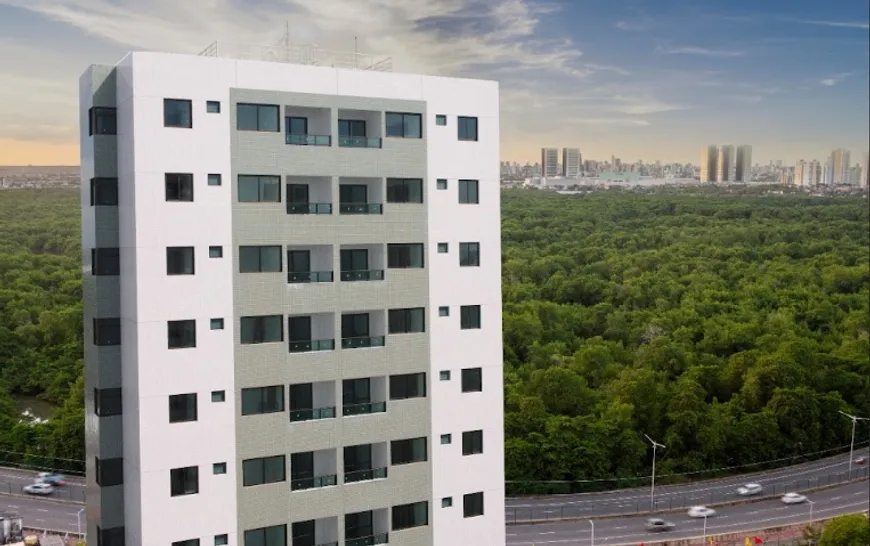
(638, 79)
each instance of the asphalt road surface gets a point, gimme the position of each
(730, 519)
(620, 502)
(12, 480)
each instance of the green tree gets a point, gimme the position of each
(851, 530)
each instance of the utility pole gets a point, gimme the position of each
(855, 420)
(652, 489)
(592, 540)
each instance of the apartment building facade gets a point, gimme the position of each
(292, 301)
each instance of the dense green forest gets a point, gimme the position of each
(729, 327)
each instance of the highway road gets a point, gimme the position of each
(730, 519)
(823, 472)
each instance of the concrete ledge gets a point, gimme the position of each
(42, 499)
(677, 510)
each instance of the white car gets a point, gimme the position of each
(793, 498)
(39, 489)
(750, 489)
(701, 512)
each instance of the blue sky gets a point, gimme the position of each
(641, 79)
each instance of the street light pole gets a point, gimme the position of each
(811, 510)
(855, 420)
(705, 529)
(592, 540)
(652, 489)
(79, 520)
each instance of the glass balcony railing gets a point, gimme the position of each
(359, 142)
(309, 140)
(326, 544)
(309, 276)
(383, 538)
(309, 208)
(315, 414)
(365, 475)
(301, 484)
(363, 275)
(360, 208)
(349, 410)
(360, 342)
(311, 345)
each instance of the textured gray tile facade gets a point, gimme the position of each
(270, 294)
(102, 299)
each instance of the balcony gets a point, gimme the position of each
(312, 401)
(364, 396)
(360, 128)
(313, 470)
(367, 528)
(309, 264)
(311, 333)
(358, 195)
(307, 126)
(365, 462)
(309, 194)
(315, 532)
(362, 263)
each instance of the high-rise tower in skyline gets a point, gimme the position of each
(838, 168)
(292, 305)
(571, 161)
(726, 162)
(743, 163)
(549, 162)
(709, 159)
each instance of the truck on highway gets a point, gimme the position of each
(11, 528)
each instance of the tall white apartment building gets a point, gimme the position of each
(292, 304)
(549, 162)
(838, 168)
(571, 161)
(743, 163)
(726, 163)
(865, 170)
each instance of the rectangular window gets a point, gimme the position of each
(444, 375)
(107, 331)
(104, 192)
(275, 535)
(267, 329)
(411, 385)
(405, 255)
(259, 188)
(472, 442)
(219, 468)
(444, 311)
(263, 400)
(218, 396)
(404, 190)
(472, 380)
(467, 128)
(441, 184)
(446, 502)
(109, 472)
(181, 334)
(182, 408)
(107, 402)
(215, 252)
(221, 540)
(408, 451)
(469, 317)
(352, 128)
(188, 542)
(110, 537)
(264, 470)
(216, 324)
(258, 117)
(443, 248)
(214, 179)
(213, 107)
(179, 187)
(446, 439)
(440, 120)
(184, 481)
(404, 125)
(102, 120)
(407, 321)
(105, 261)
(295, 125)
(469, 254)
(179, 260)
(472, 505)
(406, 516)
(468, 192)
(177, 113)
(259, 259)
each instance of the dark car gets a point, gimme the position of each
(656, 525)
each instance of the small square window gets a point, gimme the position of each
(446, 439)
(442, 248)
(219, 468)
(441, 119)
(444, 311)
(217, 324)
(441, 184)
(446, 502)
(214, 180)
(215, 252)
(213, 107)
(444, 375)
(221, 540)
(177, 113)
(218, 396)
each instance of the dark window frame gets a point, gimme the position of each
(106, 261)
(214, 179)
(188, 542)
(260, 249)
(176, 256)
(402, 321)
(213, 107)
(469, 191)
(109, 472)
(472, 505)
(254, 471)
(184, 481)
(182, 123)
(467, 128)
(264, 404)
(110, 325)
(178, 187)
(178, 334)
(108, 402)
(469, 254)
(99, 125)
(407, 386)
(401, 255)
(274, 535)
(259, 330)
(406, 516)
(472, 442)
(262, 181)
(470, 317)
(183, 408)
(406, 131)
(104, 191)
(260, 125)
(405, 190)
(472, 379)
(441, 120)
(113, 536)
(403, 451)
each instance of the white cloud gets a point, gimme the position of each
(840, 24)
(834, 80)
(745, 99)
(700, 51)
(630, 26)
